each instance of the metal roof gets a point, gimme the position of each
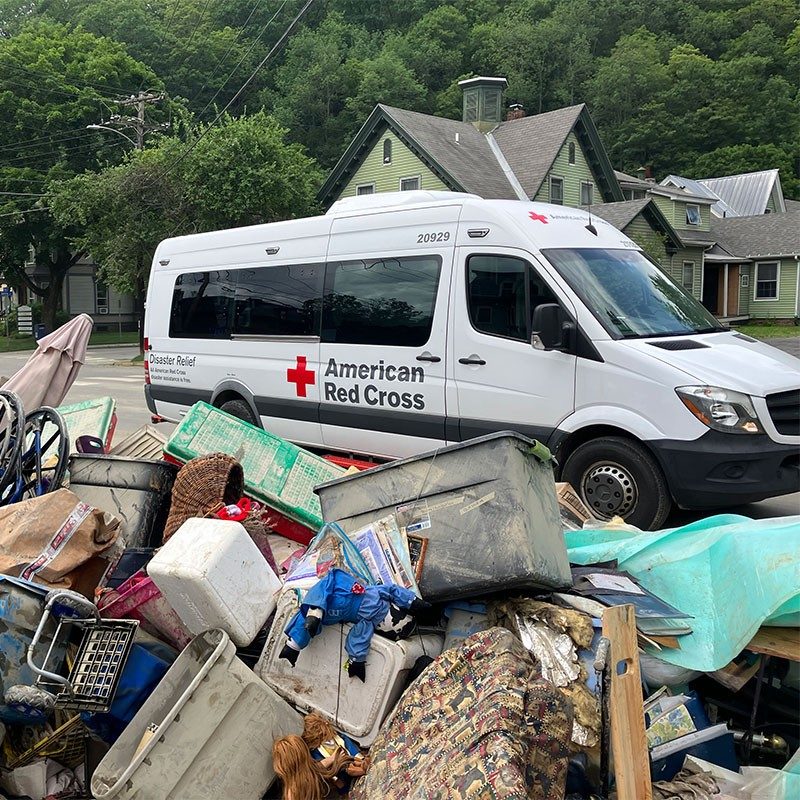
(747, 194)
(720, 208)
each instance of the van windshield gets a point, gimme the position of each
(629, 295)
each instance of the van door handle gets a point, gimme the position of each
(428, 357)
(472, 360)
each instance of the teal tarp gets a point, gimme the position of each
(731, 573)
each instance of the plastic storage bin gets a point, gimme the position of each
(139, 598)
(276, 472)
(487, 508)
(317, 677)
(137, 492)
(90, 418)
(21, 608)
(208, 730)
(213, 575)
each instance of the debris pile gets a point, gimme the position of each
(246, 619)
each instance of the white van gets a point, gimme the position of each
(400, 322)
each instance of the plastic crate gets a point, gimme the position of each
(276, 472)
(90, 418)
(66, 744)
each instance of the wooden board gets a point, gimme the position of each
(628, 742)
(780, 642)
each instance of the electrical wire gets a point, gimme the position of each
(167, 26)
(43, 141)
(242, 59)
(249, 80)
(23, 194)
(43, 154)
(220, 61)
(25, 211)
(79, 86)
(191, 37)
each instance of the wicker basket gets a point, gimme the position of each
(201, 486)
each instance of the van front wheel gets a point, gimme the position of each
(618, 477)
(239, 409)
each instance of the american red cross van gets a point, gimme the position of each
(400, 322)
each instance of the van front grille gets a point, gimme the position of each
(784, 409)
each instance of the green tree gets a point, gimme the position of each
(241, 172)
(53, 83)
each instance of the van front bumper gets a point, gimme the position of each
(726, 469)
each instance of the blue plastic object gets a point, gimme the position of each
(21, 607)
(731, 573)
(147, 665)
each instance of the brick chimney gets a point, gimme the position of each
(483, 102)
(515, 111)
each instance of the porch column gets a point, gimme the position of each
(725, 294)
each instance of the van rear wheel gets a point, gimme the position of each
(239, 409)
(618, 477)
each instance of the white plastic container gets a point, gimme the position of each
(205, 733)
(318, 677)
(214, 576)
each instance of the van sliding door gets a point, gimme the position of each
(384, 332)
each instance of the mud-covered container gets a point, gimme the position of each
(487, 509)
(205, 733)
(135, 490)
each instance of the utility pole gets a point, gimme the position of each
(119, 122)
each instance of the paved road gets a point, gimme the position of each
(103, 374)
(789, 345)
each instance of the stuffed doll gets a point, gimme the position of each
(338, 598)
(309, 766)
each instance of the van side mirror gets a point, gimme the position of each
(551, 329)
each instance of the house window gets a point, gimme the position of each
(687, 277)
(572, 152)
(365, 188)
(409, 184)
(767, 275)
(627, 194)
(692, 215)
(101, 297)
(557, 191)
(387, 151)
(586, 193)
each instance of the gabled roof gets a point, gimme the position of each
(747, 194)
(531, 145)
(698, 189)
(759, 235)
(620, 215)
(455, 151)
(791, 205)
(464, 159)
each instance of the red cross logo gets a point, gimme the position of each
(537, 217)
(301, 376)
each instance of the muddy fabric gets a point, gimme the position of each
(478, 724)
(203, 485)
(56, 540)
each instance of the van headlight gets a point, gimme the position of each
(721, 409)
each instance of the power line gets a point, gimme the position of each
(110, 92)
(43, 153)
(241, 60)
(220, 61)
(57, 155)
(44, 141)
(191, 37)
(23, 194)
(25, 211)
(167, 26)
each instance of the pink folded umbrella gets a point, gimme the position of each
(50, 372)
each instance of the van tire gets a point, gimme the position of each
(630, 481)
(240, 409)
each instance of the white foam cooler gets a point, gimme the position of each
(214, 576)
(313, 683)
(205, 733)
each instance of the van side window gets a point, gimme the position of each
(385, 301)
(502, 292)
(202, 305)
(278, 301)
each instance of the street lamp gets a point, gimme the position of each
(113, 130)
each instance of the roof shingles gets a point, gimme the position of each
(759, 235)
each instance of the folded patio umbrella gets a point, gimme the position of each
(49, 373)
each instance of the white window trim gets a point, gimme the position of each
(777, 282)
(364, 186)
(699, 214)
(683, 267)
(591, 185)
(550, 187)
(417, 178)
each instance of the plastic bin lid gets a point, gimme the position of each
(537, 449)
